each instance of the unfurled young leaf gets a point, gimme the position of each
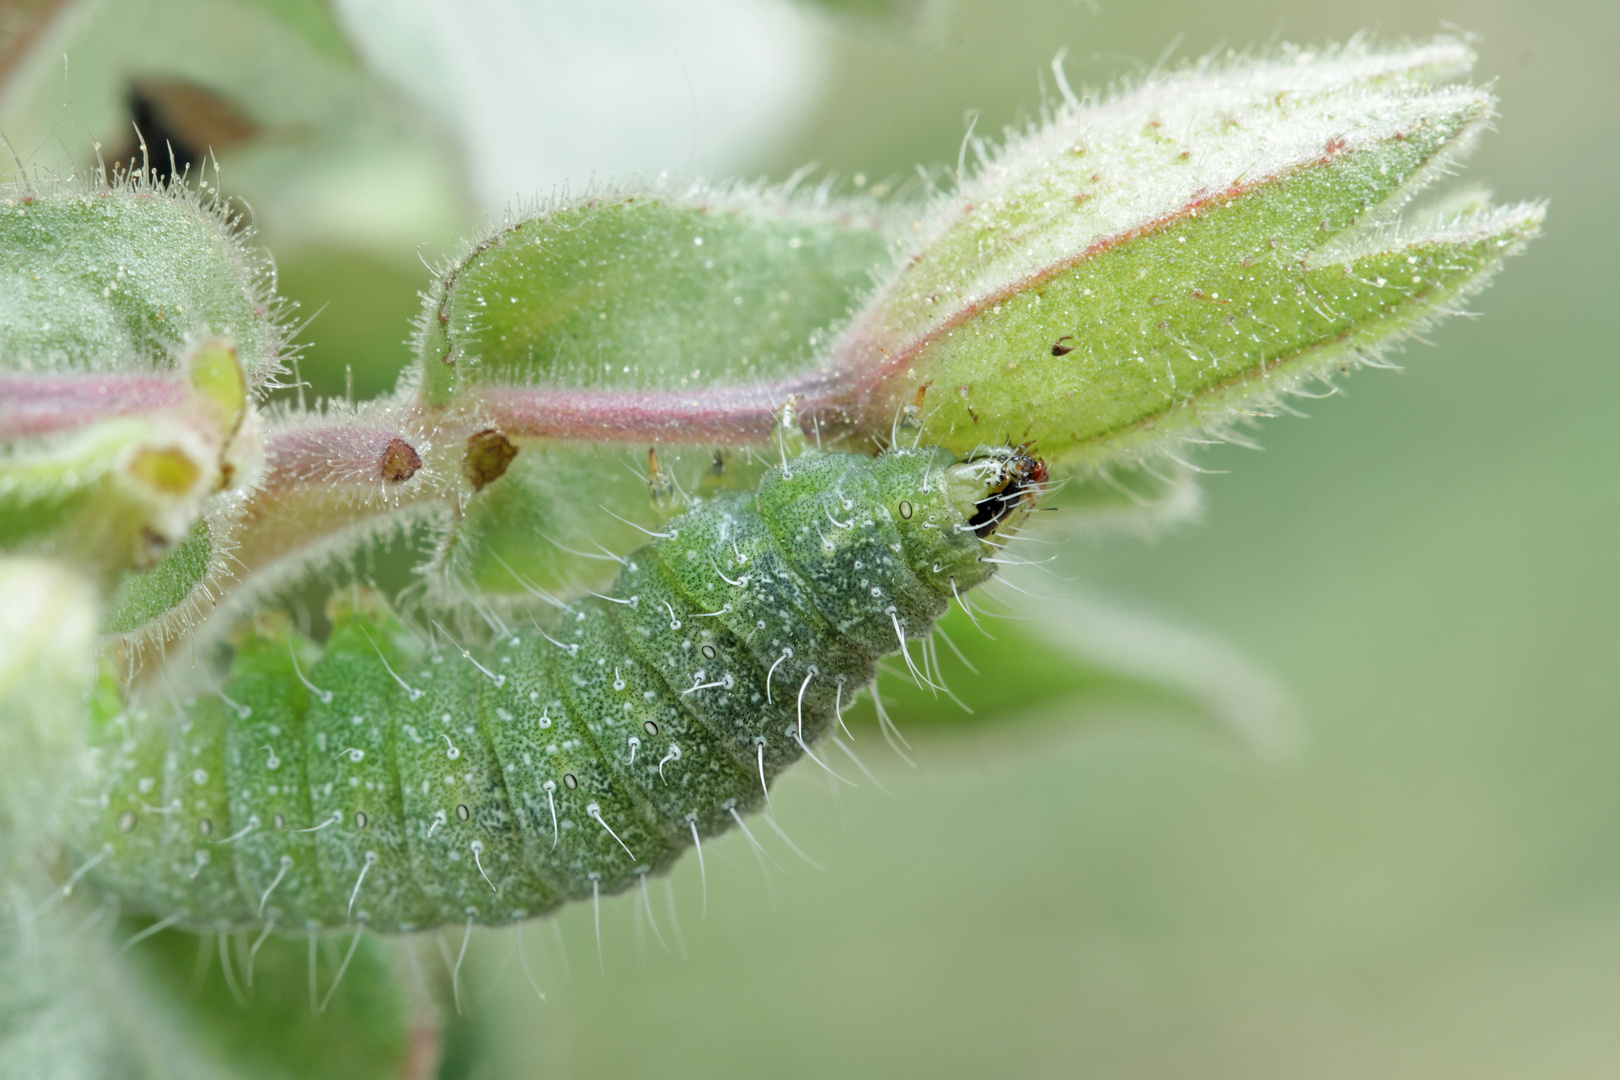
(1167, 262)
(1153, 268)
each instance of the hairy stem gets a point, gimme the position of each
(727, 415)
(32, 404)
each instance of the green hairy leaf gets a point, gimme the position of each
(104, 280)
(1164, 263)
(147, 596)
(662, 290)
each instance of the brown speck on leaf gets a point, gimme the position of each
(1059, 348)
(488, 454)
(399, 461)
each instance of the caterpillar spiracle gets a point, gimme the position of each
(385, 782)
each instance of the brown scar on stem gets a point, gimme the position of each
(488, 454)
(399, 461)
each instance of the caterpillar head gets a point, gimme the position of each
(952, 513)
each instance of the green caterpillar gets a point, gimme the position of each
(402, 786)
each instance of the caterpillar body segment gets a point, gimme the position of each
(398, 782)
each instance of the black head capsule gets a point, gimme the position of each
(1014, 483)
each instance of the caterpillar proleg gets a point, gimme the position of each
(390, 781)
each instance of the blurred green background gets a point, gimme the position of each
(1429, 887)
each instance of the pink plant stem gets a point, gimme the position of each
(327, 478)
(339, 452)
(719, 415)
(45, 404)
